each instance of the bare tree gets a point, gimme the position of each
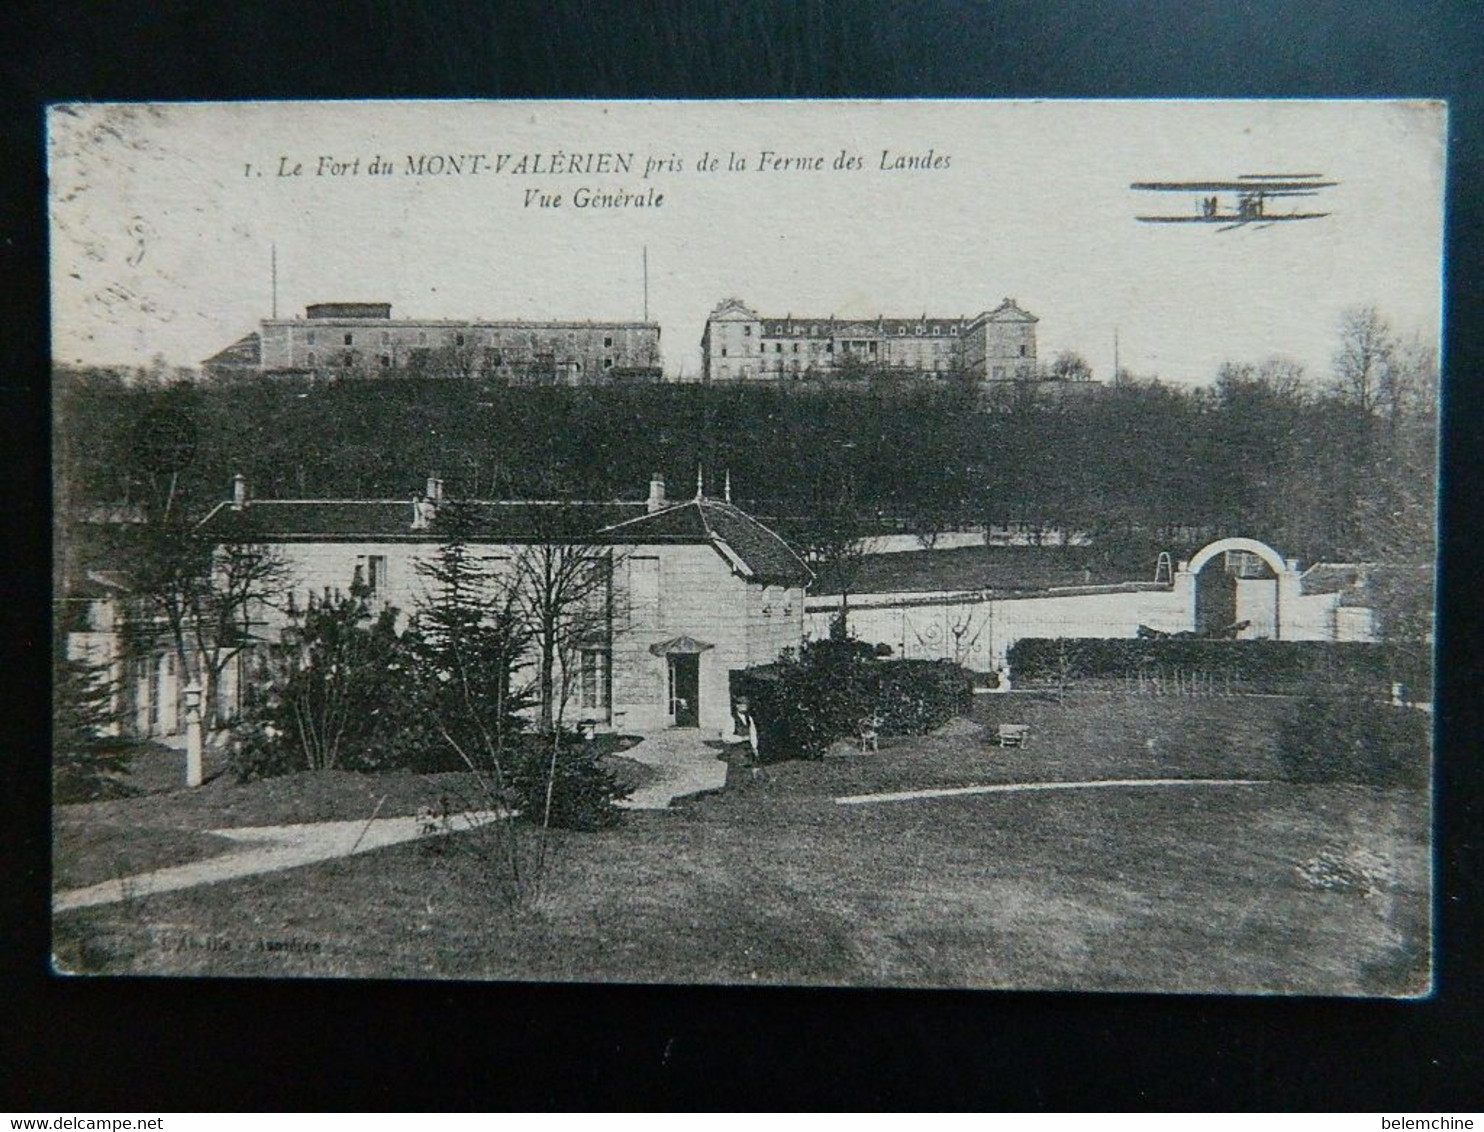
(207, 599)
(453, 361)
(1068, 365)
(1284, 377)
(966, 629)
(837, 538)
(1275, 375)
(562, 587)
(1413, 388)
(1363, 362)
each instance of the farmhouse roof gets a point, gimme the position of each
(751, 548)
(390, 520)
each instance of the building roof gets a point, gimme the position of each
(1332, 577)
(1002, 569)
(732, 306)
(1009, 311)
(246, 352)
(923, 325)
(391, 520)
(322, 321)
(752, 549)
(348, 310)
(1358, 583)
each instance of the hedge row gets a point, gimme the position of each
(1261, 665)
(801, 706)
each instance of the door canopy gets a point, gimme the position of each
(679, 646)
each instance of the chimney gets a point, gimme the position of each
(239, 492)
(656, 493)
(435, 489)
(727, 490)
(424, 511)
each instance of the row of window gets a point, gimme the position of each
(494, 358)
(762, 348)
(921, 330)
(311, 338)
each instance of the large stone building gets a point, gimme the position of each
(697, 588)
(740, 345)
(364, 338)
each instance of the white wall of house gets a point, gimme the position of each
(148, 689)
(660, 592)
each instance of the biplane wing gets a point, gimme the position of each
(1252, 191)
(1265, 187)
(1228, 218)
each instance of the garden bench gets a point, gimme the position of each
(1012, 734)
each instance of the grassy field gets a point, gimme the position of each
(1266, 888)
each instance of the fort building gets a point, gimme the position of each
(739, 344)
(350, 338)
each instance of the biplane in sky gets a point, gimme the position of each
(1246, 200)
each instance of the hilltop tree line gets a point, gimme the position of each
(1336, 465)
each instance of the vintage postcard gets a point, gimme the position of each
(944, 544)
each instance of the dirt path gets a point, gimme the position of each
(685, 766)
(1025, 787)
(266, 849)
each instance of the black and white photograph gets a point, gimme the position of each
(940, 544)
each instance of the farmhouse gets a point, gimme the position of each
(693, 589)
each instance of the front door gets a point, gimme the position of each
(685, 689)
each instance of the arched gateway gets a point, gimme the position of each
(1250, 545)
(1259, 606)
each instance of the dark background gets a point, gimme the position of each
(75, 1045)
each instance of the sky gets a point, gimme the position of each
(165, 219)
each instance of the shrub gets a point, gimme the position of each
(1330, 738)
(341, 696)
(918, 696)
(259, 750)
(87, 761)
(582, 790)
(801, 706)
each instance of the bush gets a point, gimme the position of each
(801, 706)
(582, 790)
(1347, 739)
(1260, 665)
(258, 749)
(342, 696)
(918, 696)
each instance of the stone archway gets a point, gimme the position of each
(1266, 610)
(1274, 560)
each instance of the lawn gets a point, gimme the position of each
(1266, 888)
